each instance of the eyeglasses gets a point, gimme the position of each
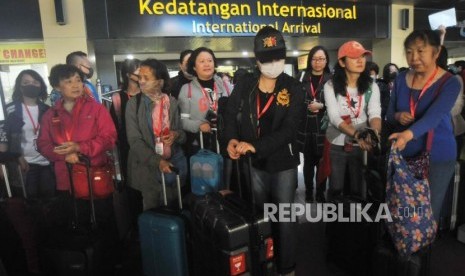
(318, 59)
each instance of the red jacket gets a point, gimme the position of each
(94, 132)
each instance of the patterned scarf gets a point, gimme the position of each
(161, 111)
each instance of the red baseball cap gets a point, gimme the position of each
(352, 49)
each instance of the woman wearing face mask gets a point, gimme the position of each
(119, 100)
(390, 71)
(154, 135)
(198, 100)
(270, 108)
(20, 130)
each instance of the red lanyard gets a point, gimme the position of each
(413, 105)
(312, 89)
(158, 131)
(350, 106)
(76, 111)
(34, 126)
(213, 102)
(265, 109)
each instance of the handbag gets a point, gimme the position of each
(102, 178)
(409, 201)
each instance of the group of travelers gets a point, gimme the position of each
(156, 123)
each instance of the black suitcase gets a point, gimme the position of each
(260, 233)
(76, 250)
(220, 238)
(387, 262)
(261, 245)
(230, 237)
(350, 244)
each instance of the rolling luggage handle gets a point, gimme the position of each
(86, 161)
(178, 185)
(215, 130)
(21, 180)
(7, 157)
(248, 155)
(7, 182)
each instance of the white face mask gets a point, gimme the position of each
(272, 69)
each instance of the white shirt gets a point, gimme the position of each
(338, 107)
(28, 138)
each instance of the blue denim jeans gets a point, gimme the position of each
(440, 175)
(278, 187)
(340, 160)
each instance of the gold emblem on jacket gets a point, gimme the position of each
(283, 98)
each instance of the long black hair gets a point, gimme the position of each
(340, 80)
(128, 67)
(312, 53)
(18, 94)
(387, 72)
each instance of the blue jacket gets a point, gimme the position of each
(431, 113)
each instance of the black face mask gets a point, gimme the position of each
(90, 74)
(31, 91)
(392, 76)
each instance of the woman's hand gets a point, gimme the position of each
(364, 145)
(243, 147)
(72, 158)
(404, 118)
(205, 127)
(402, 138)
(23, 164)
(164, 166)
(67, 148)
(169, 139)
(232, 151)
(315, 106)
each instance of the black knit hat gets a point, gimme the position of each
(269, 45)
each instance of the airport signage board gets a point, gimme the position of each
(171, 18)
